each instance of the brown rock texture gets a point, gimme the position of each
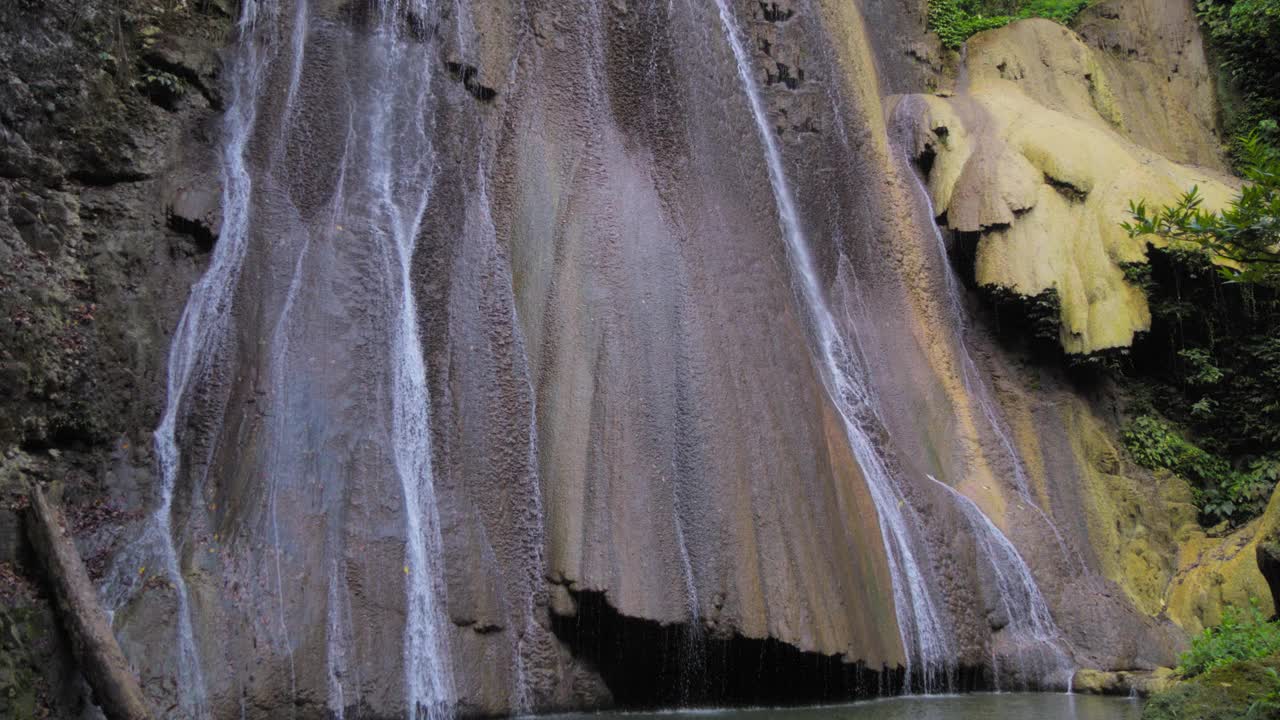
(641, 484)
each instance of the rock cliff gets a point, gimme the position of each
(646, 481)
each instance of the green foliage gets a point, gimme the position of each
(1269, 704)
(1243, 689)
(1213, 354)
(1035, 318)
(1245, 38)
(1243, 635)
(161, 86)
(1222, 492)
(955, 21)
(1245, 236)
(1201, 370)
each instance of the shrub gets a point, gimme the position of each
(1222, 492)
(957, 20)
(1243, 635)
(1245, 37)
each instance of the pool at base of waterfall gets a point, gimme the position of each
(979, 706)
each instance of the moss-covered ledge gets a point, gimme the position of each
(1248, 689)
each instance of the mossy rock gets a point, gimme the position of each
(1230, 692)
(18, 664)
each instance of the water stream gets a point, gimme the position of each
(200, 338)
(975, 383)
(384, 178)
(924, 636)
(1029, 624)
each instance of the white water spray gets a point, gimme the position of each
(1030, 623)
(200, 336)
(400, 157)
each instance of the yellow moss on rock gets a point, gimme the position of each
(1216, 572)
(1030, 157)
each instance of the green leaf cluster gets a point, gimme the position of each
(1243, 635)
(1223, 493)
(1245, 236)
(1244, 36)
(955, 21)
(1212, 358)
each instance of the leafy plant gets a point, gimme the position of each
(1243, 635)
(1213, 354)
(1267, 705)
(1222, 492)
(1245, 38)
(1245, 236)
(955, 21)
(161, 86)
(1202, 371)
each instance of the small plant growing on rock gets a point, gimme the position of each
(161, 86)
(957, 20)
(1243, 635)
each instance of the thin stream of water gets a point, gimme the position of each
(400, 157)
(927, 644)
(1030, 622)
(199, 337)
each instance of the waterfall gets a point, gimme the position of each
(924, 638)
(382, 189)
(200, 337)
(400, 164)
(1029, 620)
(1030, 623)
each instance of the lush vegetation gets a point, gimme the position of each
(1245, 236)
(1223, 492)
(1243, 635)
(957, 20)
(1209, 370)
(1244, 36)
(1212, 360)
(1242, 690)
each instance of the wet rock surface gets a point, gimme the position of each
(641, 479)
(91, 282)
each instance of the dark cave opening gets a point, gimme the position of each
(647, 665)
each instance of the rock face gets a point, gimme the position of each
(92, 279)
(1268, 557)
(1039, 153)
(499, 390)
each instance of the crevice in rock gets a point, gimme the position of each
(774, 14)
(646, 664)
(784, 76)
(103, 177)
(197, 230)
(468, 75)
(1066, 189)
(479, 627)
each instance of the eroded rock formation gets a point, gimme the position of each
(528, 265)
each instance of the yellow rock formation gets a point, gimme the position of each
(1031, 155)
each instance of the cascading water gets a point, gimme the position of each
(975, 383)
(924, 637)
(399, 158)
(1029, 620)
(1030, 624)
(200, 336)
(383, 179)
